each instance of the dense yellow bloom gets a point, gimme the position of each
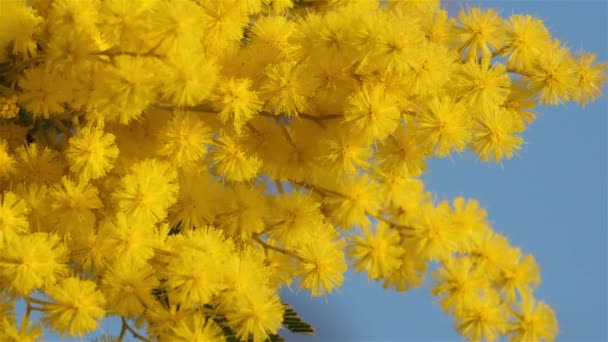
(13, 216)
(32, 262)
(243, 215)
(526, 37)
(346, 154)
(256, 314)
(434, 234)
(91, 153)
(128, 238)
(377, 253)
(458, 283)
(401, 154)
(495, 136)
(479, 32)
(176, 163)
(193, 277)
(590, 76)
(147, 191)
(324, 263)
(481, 86)
(45, 91)
(518, 273)
(19, 25)
(232, 160)
(8, 107)
(190, 78)
(358, 198)
(535, 321)
(73, 203)
(7, 162)
(294, 214)
(444, 126)
(76, 307)
(127, 287)
(287, 88)
(9, 331)
(38, 164)
(553, 74)
(196, 327)
(372, 113)
(409, 274)
(483, 318)
(184, 140)
(198, 200)
(237, 102)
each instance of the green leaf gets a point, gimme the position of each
(294, 323)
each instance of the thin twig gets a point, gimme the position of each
(257, 239)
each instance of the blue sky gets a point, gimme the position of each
(551, 201)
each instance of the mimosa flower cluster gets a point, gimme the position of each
(177, 162)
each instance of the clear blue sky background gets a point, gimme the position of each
(551, 201)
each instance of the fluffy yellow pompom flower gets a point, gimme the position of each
(401, 154)
(323, 265)
(198, 200)
(193, 277)
(494, 136)
(147, 191)
(481, 86)
(177, 24)
(478, 32)
(195, 327)
(434, 237)
(535, 322)
(484, 318)
(236, 102)
(184, 140)
(255, 315)
(126, 90)
(73, 203)
(13, 216)
(128, 287)
(232, 161)
(243, 213)
(20, 24)
(590, 76)
(553, 74)
(344, 154)
(38, 164)
(127, 238)
(76, 307)
(8, 107)
(287, 88)
(7, 162)
(91, 153)
(44, 92)
(372, 113)
(526, 37)
(443, 127)
(378, 254)
(410, 273)
(190, 77)
(357, 197)
(9, 331)
(34, 261)
(517, 273)
(458, 281)
(294, 214)
(273, 34)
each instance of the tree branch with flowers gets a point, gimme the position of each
(141, 143)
